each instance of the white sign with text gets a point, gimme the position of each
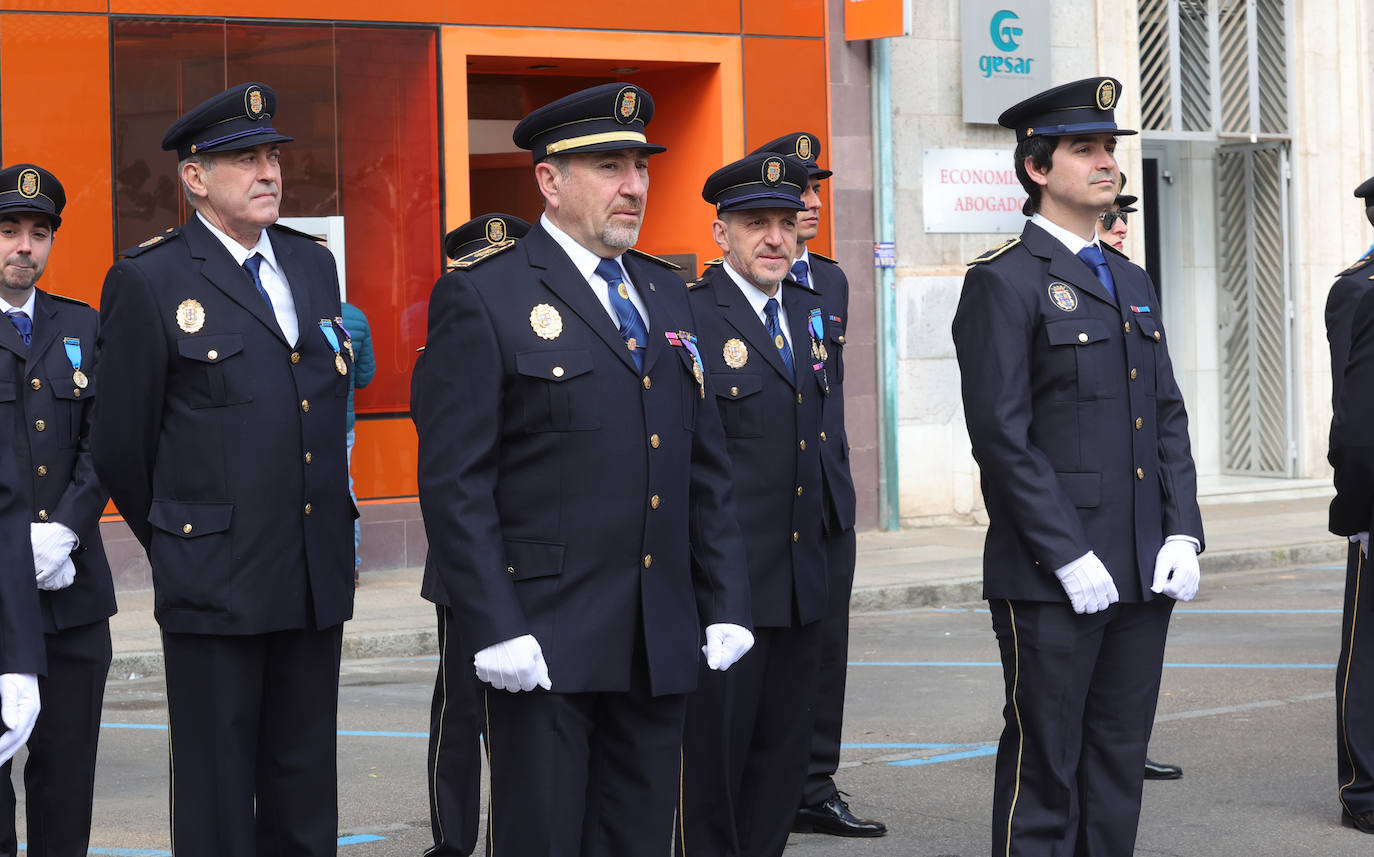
(971, 190)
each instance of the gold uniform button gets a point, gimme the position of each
(1082, 336)
(305, 406)
(212, 354)
(43, 514)
(510, 569)
(36, 384)
(76, 392)
(799, 490)
(295, 357)
(822, 435)
(1156, 336)
(653, 502)
(1133, 373)
(307, 508)
(1138, 423)
(648, 560)
(39, 425)
(186, 528)
(802, 445)
(840, 339)
(1128, 327)
(653, 441)
(734, 391)
(647, 383)
(308, 458)
(558, 372)
(42, 470)
(1139, 474)
(799, 398)
(796, 536)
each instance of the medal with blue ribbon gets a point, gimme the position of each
(347, 339)
(73, 346)
(815, 324)
(327, 328)
(689, 341)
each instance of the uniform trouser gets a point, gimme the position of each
(583, 774)
(1355, 689)
(253, 720)
(746, 745)
(832, 670)
(59, 775)
(1081, 694)
(455, 761)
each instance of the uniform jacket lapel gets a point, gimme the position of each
(799, 302)
(741, 316)
(218, 267)
(45, 328)
(296, 278)
(563, 279)
(9, 338)
(1064, 265)
(1128, 291)
(642, 276)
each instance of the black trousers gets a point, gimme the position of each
(455, 761)
(1081, 693)
(583, 774)
(253, 735)
(1355, 689)
(746, 745)
(832, 670)
(59, 775)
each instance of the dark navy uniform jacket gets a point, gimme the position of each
(1351, 285)
(829, 282)
(772, 428)
(223, 445)
(22, 649)
(1075, 418)
(50, 417)
(565, 493)
(1352, 442)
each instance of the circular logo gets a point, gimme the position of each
(1063, 296)
(496, 230)
(772, 172)
(627, 105)
(1106, 94)
(253, 103)
(804, 147)
(28, 184)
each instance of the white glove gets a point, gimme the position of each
(1088, 584)
(53, 543)
(1363, 540)
(726, 644)
(19, 710)
(1176, 570)
(60, 577)
(515, 665)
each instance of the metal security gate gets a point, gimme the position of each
(1255, 309)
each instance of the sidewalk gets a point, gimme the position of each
(910, 568)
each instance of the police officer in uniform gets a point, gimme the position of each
(224, 371)
(1080, 432)
(576, 494)
(748, 731)
(823, 809)
(22, 657)
(47, 362)
(1350, 331)
(455, 712)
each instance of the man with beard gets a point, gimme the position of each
(47, 355)
(576, 494)
(225, 377)
(1080, 432)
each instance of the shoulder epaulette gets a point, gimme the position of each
(719, 260)
(481, 255)
(1364, 260)
(67, 300)
(1106, 246)
(421, 349)
(989, 255)
(280, 227)
(815, 255)
(652, 258)
(156, 241)
(693, 284)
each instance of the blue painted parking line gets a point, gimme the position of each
(358, 839)
(974, 753)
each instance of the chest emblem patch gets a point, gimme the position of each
(736, 354)
(546, 321)
(1064, 296)
(190, 315)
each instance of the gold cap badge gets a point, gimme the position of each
(496, 230)
(28, 184)
(772, 172)
(1106, 95)
(804, 147)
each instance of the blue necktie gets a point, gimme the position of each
(632, 328)
(775, 331)
(1097, 263)
(251, 265)
(23, 324)
(800, 273)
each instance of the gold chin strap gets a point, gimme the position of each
(592, 139)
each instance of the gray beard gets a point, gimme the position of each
(619, 237)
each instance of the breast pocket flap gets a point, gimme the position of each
(190, 519)
(556, 366)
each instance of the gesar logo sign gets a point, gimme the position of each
(1004, 38)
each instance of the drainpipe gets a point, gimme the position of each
(884, 221)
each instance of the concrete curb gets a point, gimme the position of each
(866, 599)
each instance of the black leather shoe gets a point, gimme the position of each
(1361, 821)
(1160, 771)
(834, 817)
